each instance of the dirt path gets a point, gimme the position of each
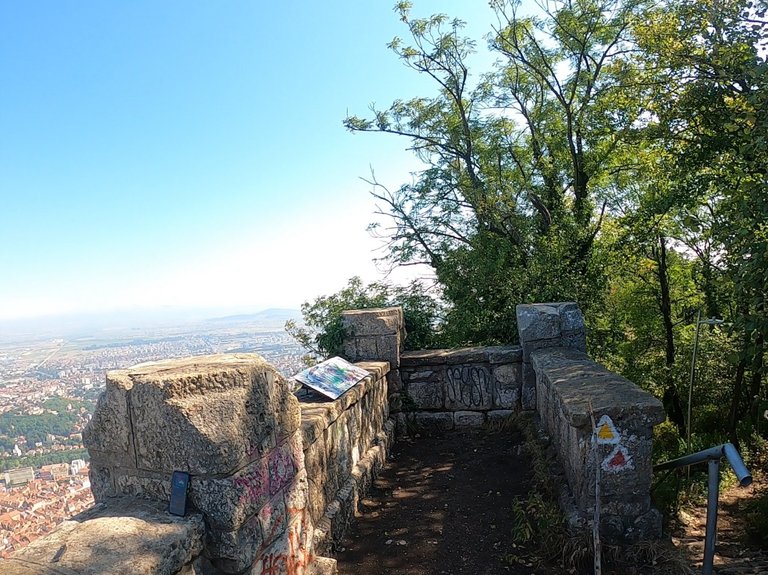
(441, 506)
(734, 555)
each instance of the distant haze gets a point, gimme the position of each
(89, 324)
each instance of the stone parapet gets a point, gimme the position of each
(124, 535)
(376, 334)
(545, 325)
(235, 426)
(346, 442)
(571, 392)
(445, 389)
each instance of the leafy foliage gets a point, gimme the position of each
(323, 332)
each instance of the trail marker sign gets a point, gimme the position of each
(606, 433)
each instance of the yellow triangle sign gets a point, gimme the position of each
(606, 432)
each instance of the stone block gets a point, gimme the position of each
(273, 518)
(393, 381)
(507, 385)
(432, 422)
(377, 321)
(571, 318)
(581, 383)
(466, 355)
(289, 555)
(228, 502)
(102, 483)
(110, 430)
(125, 536)
(468, 388)
(425, 395)
(234, 551)
(464, 419)
(504, 354)
(206, 415)
(575, 340)
(528, 389)
(530, 346)
(498, 415)
(537, 321)
(424, 357)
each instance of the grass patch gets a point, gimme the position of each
(541, 532)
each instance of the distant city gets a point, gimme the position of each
(49, 385)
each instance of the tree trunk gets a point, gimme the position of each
(671, 399)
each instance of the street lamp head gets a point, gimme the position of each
(711, 321)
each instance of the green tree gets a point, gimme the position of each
(322, 332)
(521, 166)
(711, 113)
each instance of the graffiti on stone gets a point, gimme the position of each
(253, 485)
(281, 468)
(468, 386)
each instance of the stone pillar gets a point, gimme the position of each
(233, 424)
(543, 325)
(376, 334)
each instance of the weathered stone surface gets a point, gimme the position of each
(102, 483)
(571, 318)
(528, 389)
(234, 551)
(110, 427)
(499, 415)
(426, 394)
(538, 321)
(229, 501)
(464, 419)
(434, 421)
(530, 346)
(206, 415)
(507, 385)
(571, 389)
(581, 382)
(575, 340)
(126, 536)
(504, 354)
(376, 321)
(464, 355)
(287, 555)
(468, 387)
(428, 357)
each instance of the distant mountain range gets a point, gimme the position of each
(91, 324)
(271, 315)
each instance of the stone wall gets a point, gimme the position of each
(270, 475)
(376, 334)
(447, 389)
(595, 418)
(345, 444)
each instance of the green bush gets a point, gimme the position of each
(322, 333)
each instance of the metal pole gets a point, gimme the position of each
(690, 385)
(712, 497)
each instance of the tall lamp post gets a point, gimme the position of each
(699, 323)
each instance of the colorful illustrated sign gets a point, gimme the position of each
(332, 377)
(606, 433)
(618, 460)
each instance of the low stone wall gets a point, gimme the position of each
(596, 420)
(269, 476)
(444, 389)
(345, 444)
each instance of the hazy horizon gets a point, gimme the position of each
(92, 323)
(193, 154)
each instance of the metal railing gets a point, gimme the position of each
(713, 455)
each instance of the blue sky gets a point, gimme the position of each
(169, 153)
